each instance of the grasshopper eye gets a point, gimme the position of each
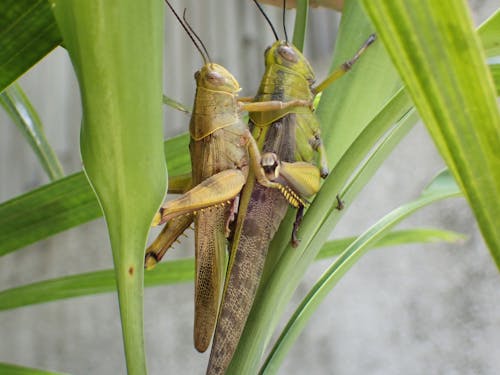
(196, 75)
(287, 53)
(215, 78)
(267, 51)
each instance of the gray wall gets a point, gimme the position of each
(430, 309)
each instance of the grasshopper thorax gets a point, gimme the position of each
(288, 56)
(217, 78)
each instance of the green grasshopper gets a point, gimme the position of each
(222, 153)
(292, 134)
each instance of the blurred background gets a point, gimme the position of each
(423, 309)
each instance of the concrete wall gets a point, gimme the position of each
(430, 309)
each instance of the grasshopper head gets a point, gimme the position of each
(287, 55)
(215, 77)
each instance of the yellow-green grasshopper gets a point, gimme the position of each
(222, 152)
(292, 134)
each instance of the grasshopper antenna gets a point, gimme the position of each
(195, 35)
(284, 23)
(206, 58)
(267, 19)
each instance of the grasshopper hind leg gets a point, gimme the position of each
(169, 234)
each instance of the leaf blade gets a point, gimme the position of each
(28, 31)
(18, 106)
(10, 369)
(440, 57)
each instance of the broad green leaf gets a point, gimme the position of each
(9, 369)
(118, 63)
(441, 188)
(28, 32)
(66, 203)
(19, 108)
(440, 57)
(179, 271)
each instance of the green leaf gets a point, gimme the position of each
(440, 57)
(121, 137)
(441, 188)
(8, 369)
(17, 105)
(43, 212)
(395, 238)
(28, 32)
(65, 204)
(91, 283)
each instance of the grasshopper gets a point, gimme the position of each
(292, 134)
(222, 153)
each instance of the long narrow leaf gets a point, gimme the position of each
(394, 238)
(28, 32)
(9, 369)
(17, 105)
(92, 283)
(440, 57)
(445, 187)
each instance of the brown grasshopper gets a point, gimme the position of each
(292, 134)
(222, 152)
